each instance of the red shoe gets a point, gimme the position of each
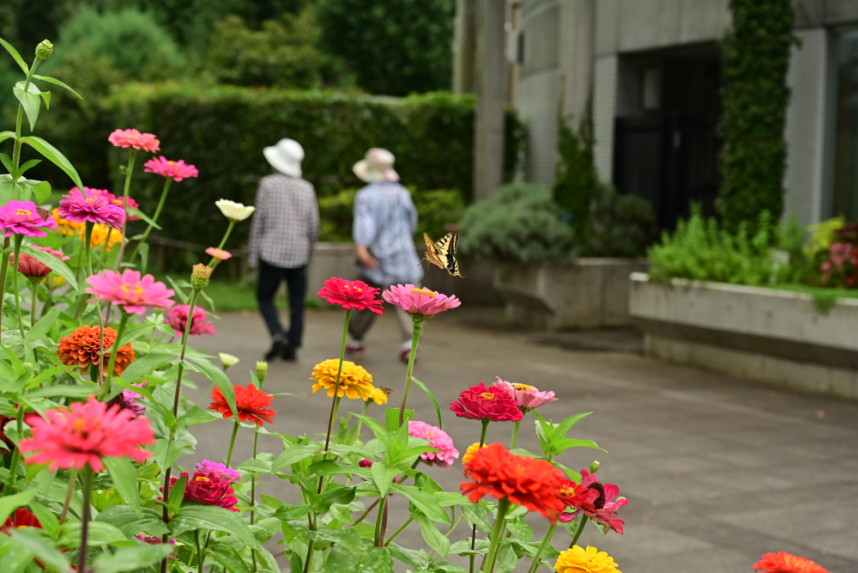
(405, 354)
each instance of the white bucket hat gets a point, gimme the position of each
(376, 167)
(285, 157)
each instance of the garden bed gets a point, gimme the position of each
(754, 332)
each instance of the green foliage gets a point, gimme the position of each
(394, 47)
(576, 182)
(755, 52)
(701, 249)
(518, 222)
(618, 225)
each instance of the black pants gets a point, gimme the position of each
(296, 282)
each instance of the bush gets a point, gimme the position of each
(700, 249)
(618, 225)
(518, 222)
(576, 182)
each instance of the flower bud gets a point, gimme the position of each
(44, 50)
(200, 276)
(261, 371)
(594, 467)
(227, 360)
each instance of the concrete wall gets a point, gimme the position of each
(815, 13)
(606, 79)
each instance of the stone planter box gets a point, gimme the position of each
(751, 332)
(580, 293)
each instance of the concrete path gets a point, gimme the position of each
(717, 471)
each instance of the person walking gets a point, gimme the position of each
(384, 224)
(283, 234)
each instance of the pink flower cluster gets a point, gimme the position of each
(419, 301)
(438, 439)
(134, 139)
(119, 201)
(176, 170)
(129, 291)
(23, 218)
(177, 317)
(494, 404)
(209, 489)
(91, 206)
(215, 470)
(32, 267)
(841, 268)
(527, 397)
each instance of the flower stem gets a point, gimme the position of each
(199, 551)
(381, 507)
(69, 492)
(18, 239)
(34, 287)
(3, 270)
(337, 386)
(161, 202)
(360, 422)
(117, 344)
(418, 326)
(129, 170)
(580, 530)
(474, 530)
(232, 442)
(366, 512)
(86, 490)
(16, 457)
(225, 237)
(535, 565)
(497, 534)
(514, 435)
(398, 531)
(16, 154)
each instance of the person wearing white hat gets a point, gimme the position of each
(283, 235)
(384, 224)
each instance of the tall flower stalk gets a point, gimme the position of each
(151, 225)
(17, 254)
(129, 171)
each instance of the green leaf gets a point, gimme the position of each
(380, 431)
(56, 82)
(146, 364)
(29, 100)
(47, 97)
(63, 390)
(349, 539)
(53, 155)
(293, 454)
(193, 516)
(217, 376)
(228, 557)
(342, 495)
(475, 514)
(100, 533)
(431, 534)
(424, 501)
(42, 191)
(7, 162)
(26, 167)
(142, 215)
(15, 55)
(177, 494)
(47, 553)
(382, 476)
(4, 135)
(376, 560)
(423, 387)
(256, 466)
(55, 263)
(131, 558)
(521, 529)
(128, 521)
(44, 324)
(567, 424)
(288, 512)
(411, 557)
(125, 480)
(10, 503)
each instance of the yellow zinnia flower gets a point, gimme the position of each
(355, 381)
(472, 449)
(65, 227)
(99, 236)
(378, 395)
(577, 560)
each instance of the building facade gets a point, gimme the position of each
(650, 72)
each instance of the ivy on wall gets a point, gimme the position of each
(756, 52)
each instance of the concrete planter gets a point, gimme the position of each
(752, 332)
(580, 293)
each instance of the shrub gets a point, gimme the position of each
(618, 225)
(576, 182)
(518, 222)
(701, 249)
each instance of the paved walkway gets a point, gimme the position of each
(717, 471)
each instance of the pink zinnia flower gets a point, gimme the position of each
(129, 290)
(177, 317)
(527, 397)
(23, 218)
(130, 400)
(133, 138)
(219, 471)
(438, 439)
(32, 267)
(480, 403)
(219, 254)
(419, 301)
(118, 201)
(208, 489)
(605, 506)
(153, 540)
(176, 170)
(85, 435)
(91, 207)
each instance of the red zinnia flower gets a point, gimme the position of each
(208, 489)
(783, 562)
(351, 295)
(480, 403)
(20, 518)
(252, 404)
(604, 507)
(496, 471)
(577, 496)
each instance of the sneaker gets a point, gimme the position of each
(355, 348)
(279, 349)
(288, 353)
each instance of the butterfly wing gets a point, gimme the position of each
(446, 249)
(432, 253)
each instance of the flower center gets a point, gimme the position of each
(23, 213)
(424, 291)
(524, 387)
(89, 200)
(171, 163)
(134, 294)
(600, 502)
(202, 479)
(487, 396)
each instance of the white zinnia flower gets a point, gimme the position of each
(227, 359)
(234, 211)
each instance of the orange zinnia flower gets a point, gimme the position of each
(252, 404)
(496, 471)
(80, 349)
(784, 562)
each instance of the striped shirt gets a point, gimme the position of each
(285, 226)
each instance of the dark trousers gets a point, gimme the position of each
(296, 283)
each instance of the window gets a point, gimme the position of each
(844, 174)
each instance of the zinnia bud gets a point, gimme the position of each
(200, 276)
(261, 371)
(44, 50)
(594, 467)
(227, 360)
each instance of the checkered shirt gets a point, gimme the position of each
(285, 226)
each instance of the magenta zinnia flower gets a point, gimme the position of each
(480, 403)
(177, 317)
(527, 397)
(129, 290)
(23, 218)
(438, 439)
(133, 138)
(208, 489)
(85, 435)
(219, 471)
(605, 506)
(118, 201)
(419, 301)
(219, 254)
(90, 206)
(176, 170)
